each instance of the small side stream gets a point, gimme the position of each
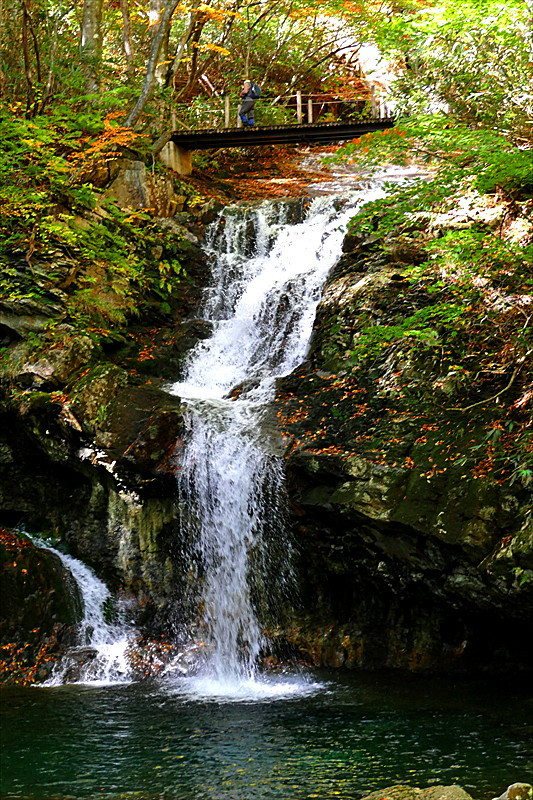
(100, 656)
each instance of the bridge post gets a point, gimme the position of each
(226, 111)
(177, 158)
(374, 103)
(310, 111)
(299, 114)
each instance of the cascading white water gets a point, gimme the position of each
(101, 654)
(267, 280)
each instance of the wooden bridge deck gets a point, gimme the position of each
(278, 134)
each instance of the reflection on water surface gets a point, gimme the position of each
(357, 734)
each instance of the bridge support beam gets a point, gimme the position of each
(177, 158)
(277, 134)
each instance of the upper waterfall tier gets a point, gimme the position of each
(267, 278)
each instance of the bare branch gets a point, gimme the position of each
(183, 43)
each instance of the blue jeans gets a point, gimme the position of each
(246, 112)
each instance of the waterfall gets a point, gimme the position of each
(267, 280)
(100, 656)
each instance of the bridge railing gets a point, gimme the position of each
(221, 111)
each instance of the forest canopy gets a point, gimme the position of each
(142, 58)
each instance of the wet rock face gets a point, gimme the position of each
(373, 596)
(40, 604)
(380, 589)
(96, 481)
(168, 353)
(35, 587)
(411, 553)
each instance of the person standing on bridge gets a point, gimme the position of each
(249, 94)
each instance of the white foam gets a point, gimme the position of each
(246, 690)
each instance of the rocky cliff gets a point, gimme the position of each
(409, 460)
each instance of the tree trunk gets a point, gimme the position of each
(127, 41)
(32, 104)
(30, 93)
(220, 42)
(91, 43)
(149, 80)
(47, 93)
(157, 8)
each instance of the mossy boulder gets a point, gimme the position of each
(134, 187)
(93, 391)
(517, 791)
(59, 364)
(142, 429)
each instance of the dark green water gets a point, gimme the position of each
(358, 734)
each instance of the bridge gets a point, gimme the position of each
(177, 153)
